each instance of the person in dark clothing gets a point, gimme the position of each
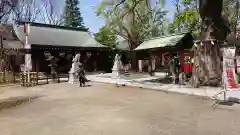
(81, 76)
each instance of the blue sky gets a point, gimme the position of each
(93, 22)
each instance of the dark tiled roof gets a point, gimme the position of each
(42, 34)
(165, 41)
(12, 44)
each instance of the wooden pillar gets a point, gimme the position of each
(37, 65)
(153, 62)
(33, 63)
(163, 59)
(150, 66)
(94, 58)
(182, 56)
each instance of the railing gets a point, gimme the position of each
(27, 79)
(9, 77)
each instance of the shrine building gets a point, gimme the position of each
(63, 43)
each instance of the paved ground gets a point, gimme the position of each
(146, 83)
(103, 109)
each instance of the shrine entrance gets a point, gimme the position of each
(91, 58)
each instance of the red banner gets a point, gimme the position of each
(230, 79)
(26, 29)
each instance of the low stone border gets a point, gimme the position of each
(203, 91)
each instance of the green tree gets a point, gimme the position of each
(213, 26)
(230, 13)
(133, 20)
(72, 15)
(106, 37)
(158, 19)
(186, 19)
(171, 28)
(176, 21)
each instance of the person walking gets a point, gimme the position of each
(81, 75)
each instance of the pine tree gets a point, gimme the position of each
(72, 15)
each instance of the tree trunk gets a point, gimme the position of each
(207, 67)
(2, 58)
(133, 55)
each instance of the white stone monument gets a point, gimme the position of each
(73, 71)
(117, 66)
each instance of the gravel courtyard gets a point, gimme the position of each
(103, 109)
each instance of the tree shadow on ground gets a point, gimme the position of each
(87, 85)
(229, 102)
(165, 80)
(16, 101)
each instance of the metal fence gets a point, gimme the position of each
(9, 78)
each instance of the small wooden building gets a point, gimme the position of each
(157, 50)
(63, 43)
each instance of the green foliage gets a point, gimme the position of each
(171, 28)
(133, 20)
(230, 13)
(136, 20)
(72, 15)
(187, 19)
(106, 36)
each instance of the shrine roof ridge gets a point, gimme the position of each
(170, 35)
(52, 26)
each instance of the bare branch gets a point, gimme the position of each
(6, 7)
(26, 10)
(49, 16)
(130, 10)
(120, 3)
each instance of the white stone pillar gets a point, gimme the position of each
(163, 59)
(140, 65)
(153, 63)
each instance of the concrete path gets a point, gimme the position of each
(104, 109)
(209, 92)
